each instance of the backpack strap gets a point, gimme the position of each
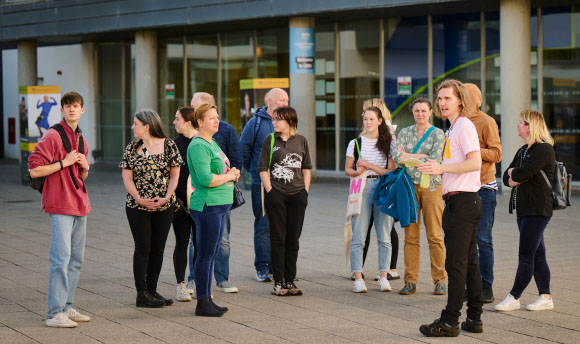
(257, 125)
(67, 147)
(271, 149)
(546, 179)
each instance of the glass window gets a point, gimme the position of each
(405, 57)
(116, 102)
(202, 73)
(272, 52)
(171, 86)
(325, 101)
(237, 63)
(562, 84)
(359, 75)
(456, 49)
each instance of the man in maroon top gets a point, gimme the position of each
(65, 198)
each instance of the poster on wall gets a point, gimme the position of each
(253, 94)
(301, 50)
(39, 109)
(404, 85)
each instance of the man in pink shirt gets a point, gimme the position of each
(460, 167)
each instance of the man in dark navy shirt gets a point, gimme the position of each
(227, 139)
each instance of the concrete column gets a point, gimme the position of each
(302, 95)
(515, 72)
(27, 66)
(146, 70)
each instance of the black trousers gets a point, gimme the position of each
(460, 219)
(150, 230)
(286, 217)
(394, 244)
(182, 227)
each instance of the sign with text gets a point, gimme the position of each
(301, 50)
(404, 85)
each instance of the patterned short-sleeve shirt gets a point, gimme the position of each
(432, 146)
(151, 173)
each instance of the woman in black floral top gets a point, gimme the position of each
(150, 175)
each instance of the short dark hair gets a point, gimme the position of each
(71, 98)
(420, 100)
(187, 114)
(288, 114)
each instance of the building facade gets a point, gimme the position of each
(126, 55)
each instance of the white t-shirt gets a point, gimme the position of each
(369, 152)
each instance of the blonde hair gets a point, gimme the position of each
(199, 113)
(460, 92)
(538, 130)
(378, 103)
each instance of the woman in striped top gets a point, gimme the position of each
(374, 157)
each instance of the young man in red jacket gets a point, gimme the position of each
(65, 198)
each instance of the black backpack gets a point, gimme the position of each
(38, 183)
(561, 188)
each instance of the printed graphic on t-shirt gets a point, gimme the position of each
(283, 170)
(446, 150)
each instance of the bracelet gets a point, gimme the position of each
(61, 165)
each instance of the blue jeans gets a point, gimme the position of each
(261, 232)
(67, 251)
(484, 236)
(209, 226)
(360, 226)
(221, 270)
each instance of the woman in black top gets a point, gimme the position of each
(183, 225)
(284, 169)
(532, 198)
(150, 173)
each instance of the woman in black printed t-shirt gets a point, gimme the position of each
(284, 168)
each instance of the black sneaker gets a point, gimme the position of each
(439, 329)
(472, 326)
(293, 289)
(487, 295)
(279, 289)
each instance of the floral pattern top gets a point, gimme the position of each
(432, 146)
(151, 172)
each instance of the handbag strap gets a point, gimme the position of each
(423, 138)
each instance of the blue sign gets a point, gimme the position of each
(301, 50)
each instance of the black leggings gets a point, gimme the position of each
(149, 229)
(182, 227)
(394, 245)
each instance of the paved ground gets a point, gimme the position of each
(328, 312)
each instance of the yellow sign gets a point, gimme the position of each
(248, 84)
(39, 89)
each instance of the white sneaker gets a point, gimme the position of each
(508, 304)
(541, 303)
(60, 320)
(384, 284)
(191, 287)
(182, 295)
(74, 315)
(226, 287)
(359, 286)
